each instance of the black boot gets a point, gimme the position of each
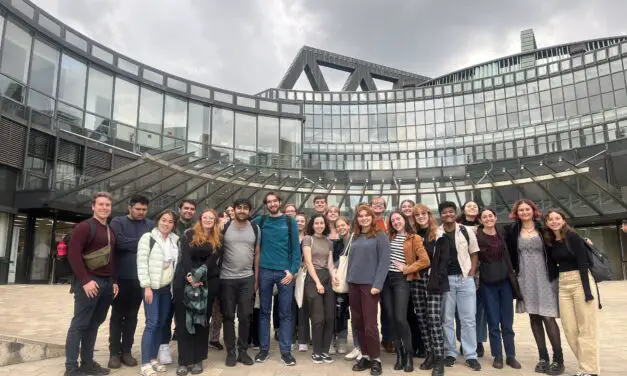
(428, 362)
(408, 364)
(557, 367)
(438, 367)
(401, 355)
(231, 358)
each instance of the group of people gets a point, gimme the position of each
(434, 284)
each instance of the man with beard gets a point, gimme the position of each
(278, 262)
(187, 210)
(237, 281)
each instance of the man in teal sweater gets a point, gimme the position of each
(278, 262)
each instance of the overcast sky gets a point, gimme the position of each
(248, 45)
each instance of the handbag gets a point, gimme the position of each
(342, 270)
(299, 289)
(99, 258)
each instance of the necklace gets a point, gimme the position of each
(529, 230)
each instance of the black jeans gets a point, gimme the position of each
(123, 321)
(321, 311)
(235, 297)
(89, 314)
(395, 296)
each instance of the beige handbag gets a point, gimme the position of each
(342, 270)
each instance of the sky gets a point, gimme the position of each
(248, 45)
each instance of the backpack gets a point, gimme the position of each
(289, 233)
(464, 232)
(63, 269)
(598, 263)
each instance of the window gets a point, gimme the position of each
(99, 93)
(222, 127)
(150, 110)
(199, 127)
(125, 102)
(268, 134)
(290, 137)
(245, 132)
(43, 73)
(16, 52)
(175, 118)
(72, 82)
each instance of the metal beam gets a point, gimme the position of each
(348, 187)
(141, 188)
(437, 193)
(555, 200)
(300, 182)
(574, 191)
(361, 196)
(263, 184)
(517, 186)
(237, 190)
(601, 187)
(498, 194)
(211, 193)
(459, 201)
(102, 178)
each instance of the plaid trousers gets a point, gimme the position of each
(428, 308)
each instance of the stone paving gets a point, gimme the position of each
(43, 313)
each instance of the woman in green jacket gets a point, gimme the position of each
(157, 254)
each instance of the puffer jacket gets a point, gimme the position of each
(150, 261)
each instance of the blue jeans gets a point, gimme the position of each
(267, 279)
(498, 300)
(462, 295)
(157, 314)
(481, 320)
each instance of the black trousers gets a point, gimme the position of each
(395, 296)
(193, 348)
(321, 311)
(412, 319)
(123, 321)
(253, 336)
(89, 314)
(235, 297)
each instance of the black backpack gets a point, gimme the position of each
(598, 263)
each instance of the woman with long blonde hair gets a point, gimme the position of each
(196, 283)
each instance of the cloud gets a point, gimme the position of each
(248, 45)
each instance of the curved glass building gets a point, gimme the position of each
(549, 124)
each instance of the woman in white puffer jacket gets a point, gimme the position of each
(157, 255)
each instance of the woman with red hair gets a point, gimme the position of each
(537, 277)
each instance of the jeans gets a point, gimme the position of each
(157, 314)
(166, 335)
(89, 314)
(480, 319)
(395, 297)
(499, 309)
(321, 310)
(267, 280)
(383, 318)
(235, 296)
(123, 321)
(364, 316)
(462, 296)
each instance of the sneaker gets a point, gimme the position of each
(316, 358)
(182, 371)
(146, 370)
(473, 364)
(332, 350)
(555, 369)
(128, 360)
(288, 359)
(93, 368)
(341, 348)
(262, 356)
(74, 371)
(216, 346)
(303, 347)
(449, 361)
(327, 358)
(542, 366)
(512, 362)
(165, 354)
(245, 359)
(196, 368)
(231, 358)
(498, 362)
(115, 362)
(353, 355)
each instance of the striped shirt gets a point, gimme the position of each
(397, 252)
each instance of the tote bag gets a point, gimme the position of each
(342, 270)
(299, 289)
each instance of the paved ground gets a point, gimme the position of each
(44, 312)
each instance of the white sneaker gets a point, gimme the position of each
(165, 354)
(303, 347)
(353, 355)
(332, 350)
(341, 348)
